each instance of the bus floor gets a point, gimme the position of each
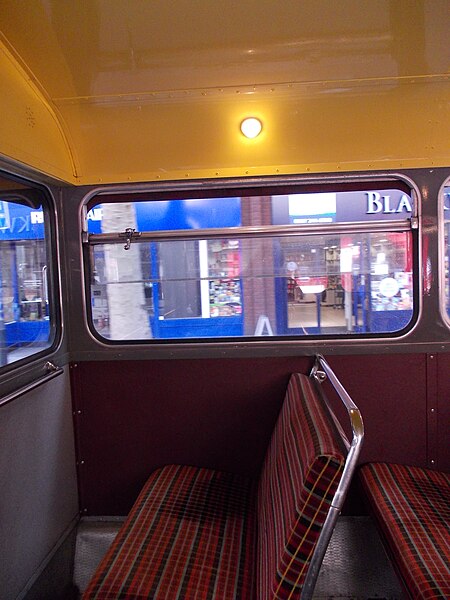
(355, 566)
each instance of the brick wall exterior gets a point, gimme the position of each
(257, 266)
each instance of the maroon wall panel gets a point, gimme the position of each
(138, 415)
(443, 411)
(390, 391)
(134, 416)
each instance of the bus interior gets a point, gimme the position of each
(199, 203)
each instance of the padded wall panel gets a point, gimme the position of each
(38, 485)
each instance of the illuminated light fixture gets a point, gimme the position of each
(251, 127)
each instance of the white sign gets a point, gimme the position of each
(389, 287)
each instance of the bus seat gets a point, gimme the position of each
(301, 472)
(411, 506)
(204, 534)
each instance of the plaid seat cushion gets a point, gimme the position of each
(412, 507)
(301, 472)
(190, 534)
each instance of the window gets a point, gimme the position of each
(446, 251)
(298, 264)
(26, 324)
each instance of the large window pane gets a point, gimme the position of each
(24, 293)
(295, 285)
(446, 255)
(213, 285)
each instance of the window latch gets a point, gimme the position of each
(129, 234)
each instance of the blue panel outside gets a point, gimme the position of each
(199, 328)
(27, 332)
(389, 320)
(167, 215)
(19, 222)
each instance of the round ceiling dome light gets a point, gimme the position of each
(251, 127)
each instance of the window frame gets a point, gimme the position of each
(51, 244)
(247, 188)
(444, 280)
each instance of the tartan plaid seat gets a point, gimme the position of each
(201, 534)
(412, 508)
(190, 534)
(301, 472)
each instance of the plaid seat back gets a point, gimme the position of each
(300, 474)
(412, 506)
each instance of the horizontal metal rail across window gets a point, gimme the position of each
(242, 232)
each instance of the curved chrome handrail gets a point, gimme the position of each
(354, 449)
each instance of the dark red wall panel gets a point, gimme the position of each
(443, 413)
(134, 416)
(137, 416)
(390, 390)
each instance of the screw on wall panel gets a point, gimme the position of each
(78, 412)
(431, 356)
(432, 461)
(433, 410)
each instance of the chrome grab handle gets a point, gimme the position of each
(320, 372)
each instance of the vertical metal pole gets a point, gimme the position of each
(154, 276)
(318, 298)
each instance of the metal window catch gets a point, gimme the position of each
(128, 235)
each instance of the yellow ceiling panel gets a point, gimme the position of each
(146, 89)
(361, 127)
(30, 130)
(96, 47)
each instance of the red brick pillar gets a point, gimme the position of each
(257, 265)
